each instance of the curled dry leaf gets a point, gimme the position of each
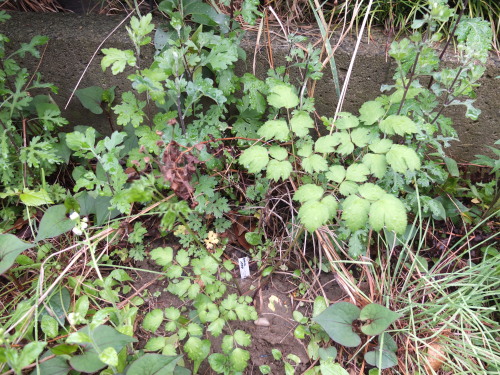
(435, 357)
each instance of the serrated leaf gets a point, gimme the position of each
(371, 191)
(239, 359)
(388, 212)
(348, 188)
(314, 214)
(376, 163)
(155, 344)
(300, 123)
(35, 198)
(254, 158)
(403, 159)
(109, 356)
(370, 112)
(162, 256)
(336, 173)
(308, 192)
(379, 318)
(331, 202)
(315, 163)
(305, 150)
(326, 144)
(337, 321)
(274, 129)
(279, 170)
(117, 59)
(381, 146)
(360, 136)
(216, 326)
(357, 173)
(282, 95)
(153, 320)
(346, 120)
(242, 338)
(395, 124)
(278, 152)
(197, 350)
(355, 212)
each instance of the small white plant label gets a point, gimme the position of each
(244, 268)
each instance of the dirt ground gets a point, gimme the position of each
(275, 302)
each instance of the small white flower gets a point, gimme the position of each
(77, 231)
(85, 219)
(74, 215)
(83, 225)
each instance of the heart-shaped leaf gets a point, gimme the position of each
(378, 318)
(337, 320)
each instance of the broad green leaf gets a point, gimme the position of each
(153, 320)
(328, 367)
(253, 238)
(300, 123)
(361, 136)
(91, 98)
(315, 163)
(308, 192)
(337, 321)
(329, 352)
(377, 164)
(346, 120)
(383, 360)
(218, 362)
(348, 188)
(305, 150)
(336, 173)
(117, 59)
(357, 173)
(102, 337)
(10, 248)
(265, 369)
(395, 124)
(109, 356)
(274, 129)
(282, 95)
(314, 214)
(254, 158)
(397, 96)
(474, 35)
(370, 112)
(402, 159)
(279, 170)
(30, 353)
(239, 359)
(371, 191)
(153, 364)
(35, 198)
(326, 144)
(388, 212)
(54, 223)
(172, 313)
(437, 209)
(54, 366)
(378, 318)
(162, 256)
(381, 146)
(452, 167)
(49, 326)
(216, 327)
(278, 152)
(355, 212)
(345, 148)
(197, 350)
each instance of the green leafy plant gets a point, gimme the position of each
(342, 320)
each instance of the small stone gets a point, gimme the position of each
(262, 322)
